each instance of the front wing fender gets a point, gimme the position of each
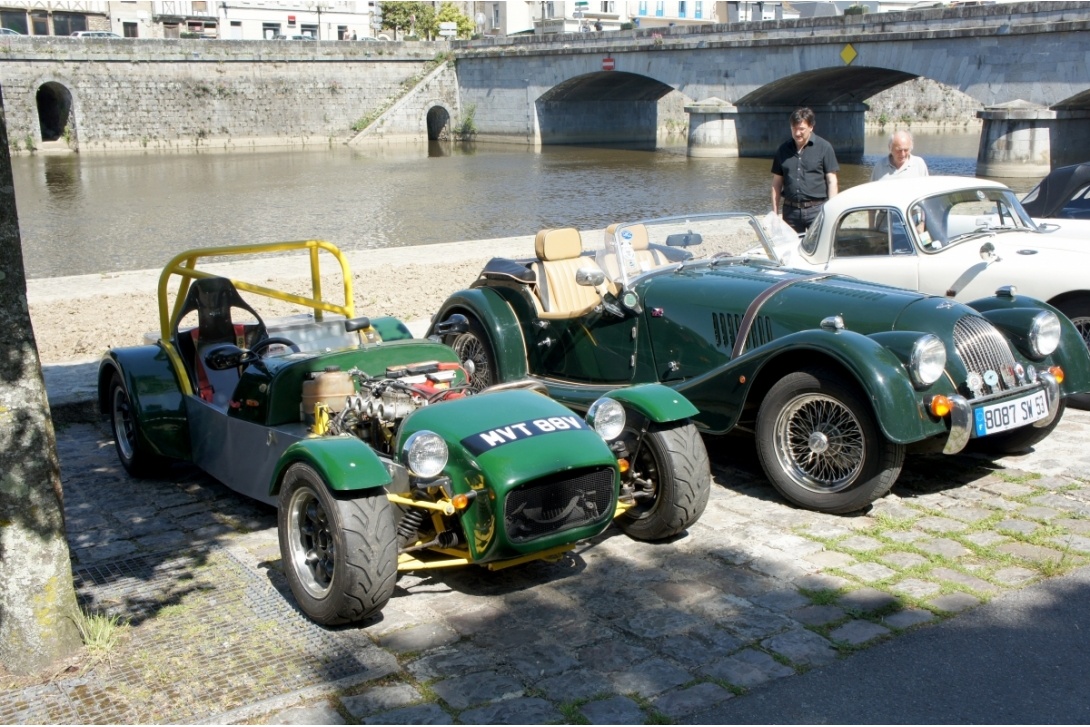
(346, 464)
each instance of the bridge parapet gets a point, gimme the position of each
(963, 21)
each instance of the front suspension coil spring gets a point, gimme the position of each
(410, 524)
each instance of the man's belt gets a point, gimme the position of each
(806, 203)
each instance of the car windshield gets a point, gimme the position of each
(633, 249)
(964, 214)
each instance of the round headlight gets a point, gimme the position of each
(928, 360)
(1044, 334)
(607, 418)
(425, 454)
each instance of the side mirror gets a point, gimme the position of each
(226, 356)
(452, 326)
(592, 277)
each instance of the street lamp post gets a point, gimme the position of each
(317, 7)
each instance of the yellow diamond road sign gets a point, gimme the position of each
(848, 54)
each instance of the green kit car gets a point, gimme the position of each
(365, 440)
(835, 377)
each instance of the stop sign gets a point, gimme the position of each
(607, 64)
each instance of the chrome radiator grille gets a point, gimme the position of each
(553, 505)
(983, 348)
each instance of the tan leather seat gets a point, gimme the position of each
(560, 255)
(643, 257)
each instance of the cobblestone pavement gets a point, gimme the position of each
(616, 632)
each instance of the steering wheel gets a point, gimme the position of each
(264, 343)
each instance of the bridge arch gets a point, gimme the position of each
(437, 121)
(54, 103)
(603, 107)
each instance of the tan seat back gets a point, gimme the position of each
(643, 257)
(559, 253)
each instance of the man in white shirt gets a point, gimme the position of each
(900, 162)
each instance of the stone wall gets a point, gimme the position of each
(174, 94)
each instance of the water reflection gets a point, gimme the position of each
(103, 213)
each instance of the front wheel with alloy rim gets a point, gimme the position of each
(339, 554)
(1078, 310)
(821, 446)
(671, 480)
(473, 346)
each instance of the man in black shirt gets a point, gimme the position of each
(803, 173)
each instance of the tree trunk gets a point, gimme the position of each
(37, 599)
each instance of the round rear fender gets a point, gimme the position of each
(345, 463)
(499, 322)
(155, 395)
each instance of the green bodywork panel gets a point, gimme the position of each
(345, 463)
(155, 395)
(510, 439)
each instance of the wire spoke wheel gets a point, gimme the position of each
(473, 346)
(820, 443)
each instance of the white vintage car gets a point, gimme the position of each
(959, 237)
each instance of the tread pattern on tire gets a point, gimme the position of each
(687, 473)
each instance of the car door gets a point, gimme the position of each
(597, 347)
(876, 244)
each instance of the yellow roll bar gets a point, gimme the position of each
(184, 266)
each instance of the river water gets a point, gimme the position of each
(99, 213)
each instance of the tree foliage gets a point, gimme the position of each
(449, 13)
(407, 18)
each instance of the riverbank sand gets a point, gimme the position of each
(78, 318)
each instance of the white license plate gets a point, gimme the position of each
(1010, 414)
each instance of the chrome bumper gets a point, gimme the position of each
(961, 415)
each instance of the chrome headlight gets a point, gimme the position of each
(1044, 333)
(607, 417)
(928, 360)
(425, 454)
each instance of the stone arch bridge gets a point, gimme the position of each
(1027, 64)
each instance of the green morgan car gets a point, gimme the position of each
(367, 442)
(835, 378)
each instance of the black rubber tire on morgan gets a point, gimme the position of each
(474, 346)
(137, 459)
(673, 458)
(820, 445)
(339, 554)
(1018, 440)
(1078, 310)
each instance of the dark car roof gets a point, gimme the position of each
(1048, 197)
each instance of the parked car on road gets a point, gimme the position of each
(958, 237)
(834, 376)
(9, 31)
(293, 37)
(365, 440)
(95, 34)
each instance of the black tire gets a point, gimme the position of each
(137, 459)
(820, 445)
(1018, 440)
(1078, 310)
(339, 555)
(675, 463)
(474, 346)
